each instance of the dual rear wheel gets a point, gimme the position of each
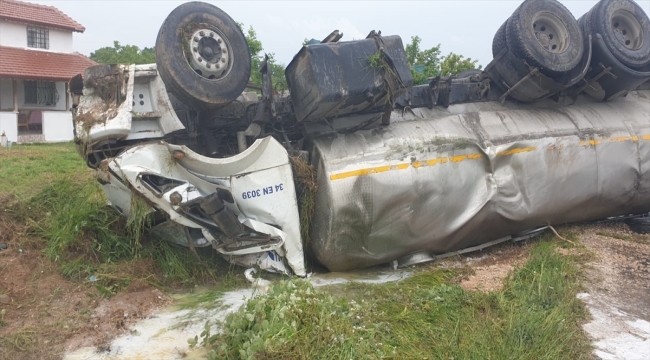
(546, 35)
(625, 30)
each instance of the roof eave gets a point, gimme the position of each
(30, 77)
(80, 29)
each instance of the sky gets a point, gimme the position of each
(462, 26)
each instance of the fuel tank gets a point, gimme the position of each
(439, 180)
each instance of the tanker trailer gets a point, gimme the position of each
(357, 166)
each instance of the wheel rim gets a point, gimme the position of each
(627, 29)
(550, 32)
(210, 54)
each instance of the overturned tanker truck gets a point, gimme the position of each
(356, 166)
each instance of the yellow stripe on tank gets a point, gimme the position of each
(465, 157)
(516, 151)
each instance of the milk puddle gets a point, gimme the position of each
(616, 334)
(165, 334)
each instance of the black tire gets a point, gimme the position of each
(555, 51)
(640, 225)
(628, 40)
(174, 67)
(499, 42)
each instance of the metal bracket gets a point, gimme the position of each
(255, 129)
(606, 70)
(503, 97)
(441, 88)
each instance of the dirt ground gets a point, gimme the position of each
(620, 269)
(617, 291)
(491, 268)
(46, 315)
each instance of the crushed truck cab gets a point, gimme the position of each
(250, 197)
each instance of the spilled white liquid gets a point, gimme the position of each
(366, 276)
(616, 334)
(164, 335)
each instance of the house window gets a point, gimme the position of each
(38, 38)
(41, 93)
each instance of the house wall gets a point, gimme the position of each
(57, 126)
(60, 105)
(15, 35)
(6, 95)
(57, 122)
(9, 125)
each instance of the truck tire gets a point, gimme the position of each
(546, 35)
(499, 42)
(625, 29)
(202, 56)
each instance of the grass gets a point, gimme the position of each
(306, 187)
(24, 340)
(62, 211)
(376, 61)
(26, 169)
(427, 316)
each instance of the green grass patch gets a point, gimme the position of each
(179, 266)
(62, 211)
(26, 169)
(74, 218)
(535, 316)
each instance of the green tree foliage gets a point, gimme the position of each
(257, 57)
(453, 64)
(424, 63)
(428, 63)
(124, 54)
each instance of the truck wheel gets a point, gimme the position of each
(202, 56)
(546, 35)
(625, 29)
(499, 42)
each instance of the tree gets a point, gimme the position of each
(277, 70)
(453, 64)
(123, 54)
(428, 63)
(424, 63)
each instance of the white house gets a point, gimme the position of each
(36, 63)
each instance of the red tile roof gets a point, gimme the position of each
(37, 14)
(41, 65)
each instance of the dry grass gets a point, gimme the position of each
(306, 187)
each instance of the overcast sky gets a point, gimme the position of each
(461, 26)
